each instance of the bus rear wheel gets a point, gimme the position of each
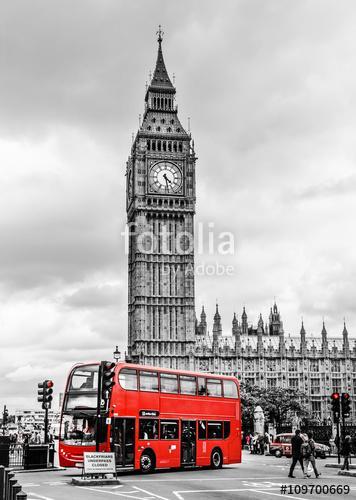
(216, 459)
(147, 462)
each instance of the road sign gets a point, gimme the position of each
(99, 463)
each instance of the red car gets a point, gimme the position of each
(281, 446)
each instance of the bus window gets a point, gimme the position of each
(169, 429)
(226, 430)
(187, 385)
(202, 429)
(148, 428)
(77, 401)
(148, 381)
(77, 430)
(215, 430)
(202, 386)
(85, 378)
(214, 387)
(230, 389)
(169, 383)
(128, 379)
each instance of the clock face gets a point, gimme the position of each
(165, 177)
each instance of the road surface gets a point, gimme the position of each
(258, 477)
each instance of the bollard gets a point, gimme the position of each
(15, 490)
(9, 476)
(12, 483)
(2, 476)
(6, 473)
(21, 496)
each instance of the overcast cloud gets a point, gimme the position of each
(271, 91)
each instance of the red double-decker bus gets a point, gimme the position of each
(158, 418)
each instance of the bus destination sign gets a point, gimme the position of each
(149, 413)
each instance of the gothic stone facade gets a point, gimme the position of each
(266, 357)
(162, 327)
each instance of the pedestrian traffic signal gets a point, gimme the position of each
(107, 371)
(345, 405)
(335, 406)
(45, 391)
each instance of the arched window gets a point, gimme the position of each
(178, 129)
(175, 147)
(164, 145)
(149, 127)
(180, 147)
(169, 129)
(159, 145)
(169, 146)
(153, 145)
(148, 145)
(154, 102)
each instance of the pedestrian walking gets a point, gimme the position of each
(267, 443)
(346, 452)
(36, 438)
(297, 443)
(308, 452)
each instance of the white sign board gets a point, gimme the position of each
(99, 463)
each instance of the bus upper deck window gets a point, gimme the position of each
(214, 387)
(230, 389)
(169, 383)
(85, 378)
(202, 386)
(149, 381)
(188, 385)
(128, 379)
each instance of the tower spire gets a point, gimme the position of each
(160, 79)
(160, 34)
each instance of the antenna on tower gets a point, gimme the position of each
(189, 124)
(146, 86)
(139, 120)
(174, 78)
(133, 137)
(150, 75)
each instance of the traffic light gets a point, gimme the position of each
(345, 405)
(45, 391)
(107, 369)
(335, 406)
(5, 416)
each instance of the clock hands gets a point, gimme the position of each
(167, 181)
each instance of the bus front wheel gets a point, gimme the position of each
(216, 459)
(147, 462)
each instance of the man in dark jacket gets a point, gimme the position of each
(346, 452)
(297, 442)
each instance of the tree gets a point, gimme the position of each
(279, 405)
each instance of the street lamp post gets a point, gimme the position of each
(117, 354)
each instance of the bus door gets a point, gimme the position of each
(188, 442)
(203, 457)
(123, 440)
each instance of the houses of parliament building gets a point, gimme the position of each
(162, 326)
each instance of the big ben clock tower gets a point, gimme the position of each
(160, 197)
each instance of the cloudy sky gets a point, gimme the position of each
(270, 88)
